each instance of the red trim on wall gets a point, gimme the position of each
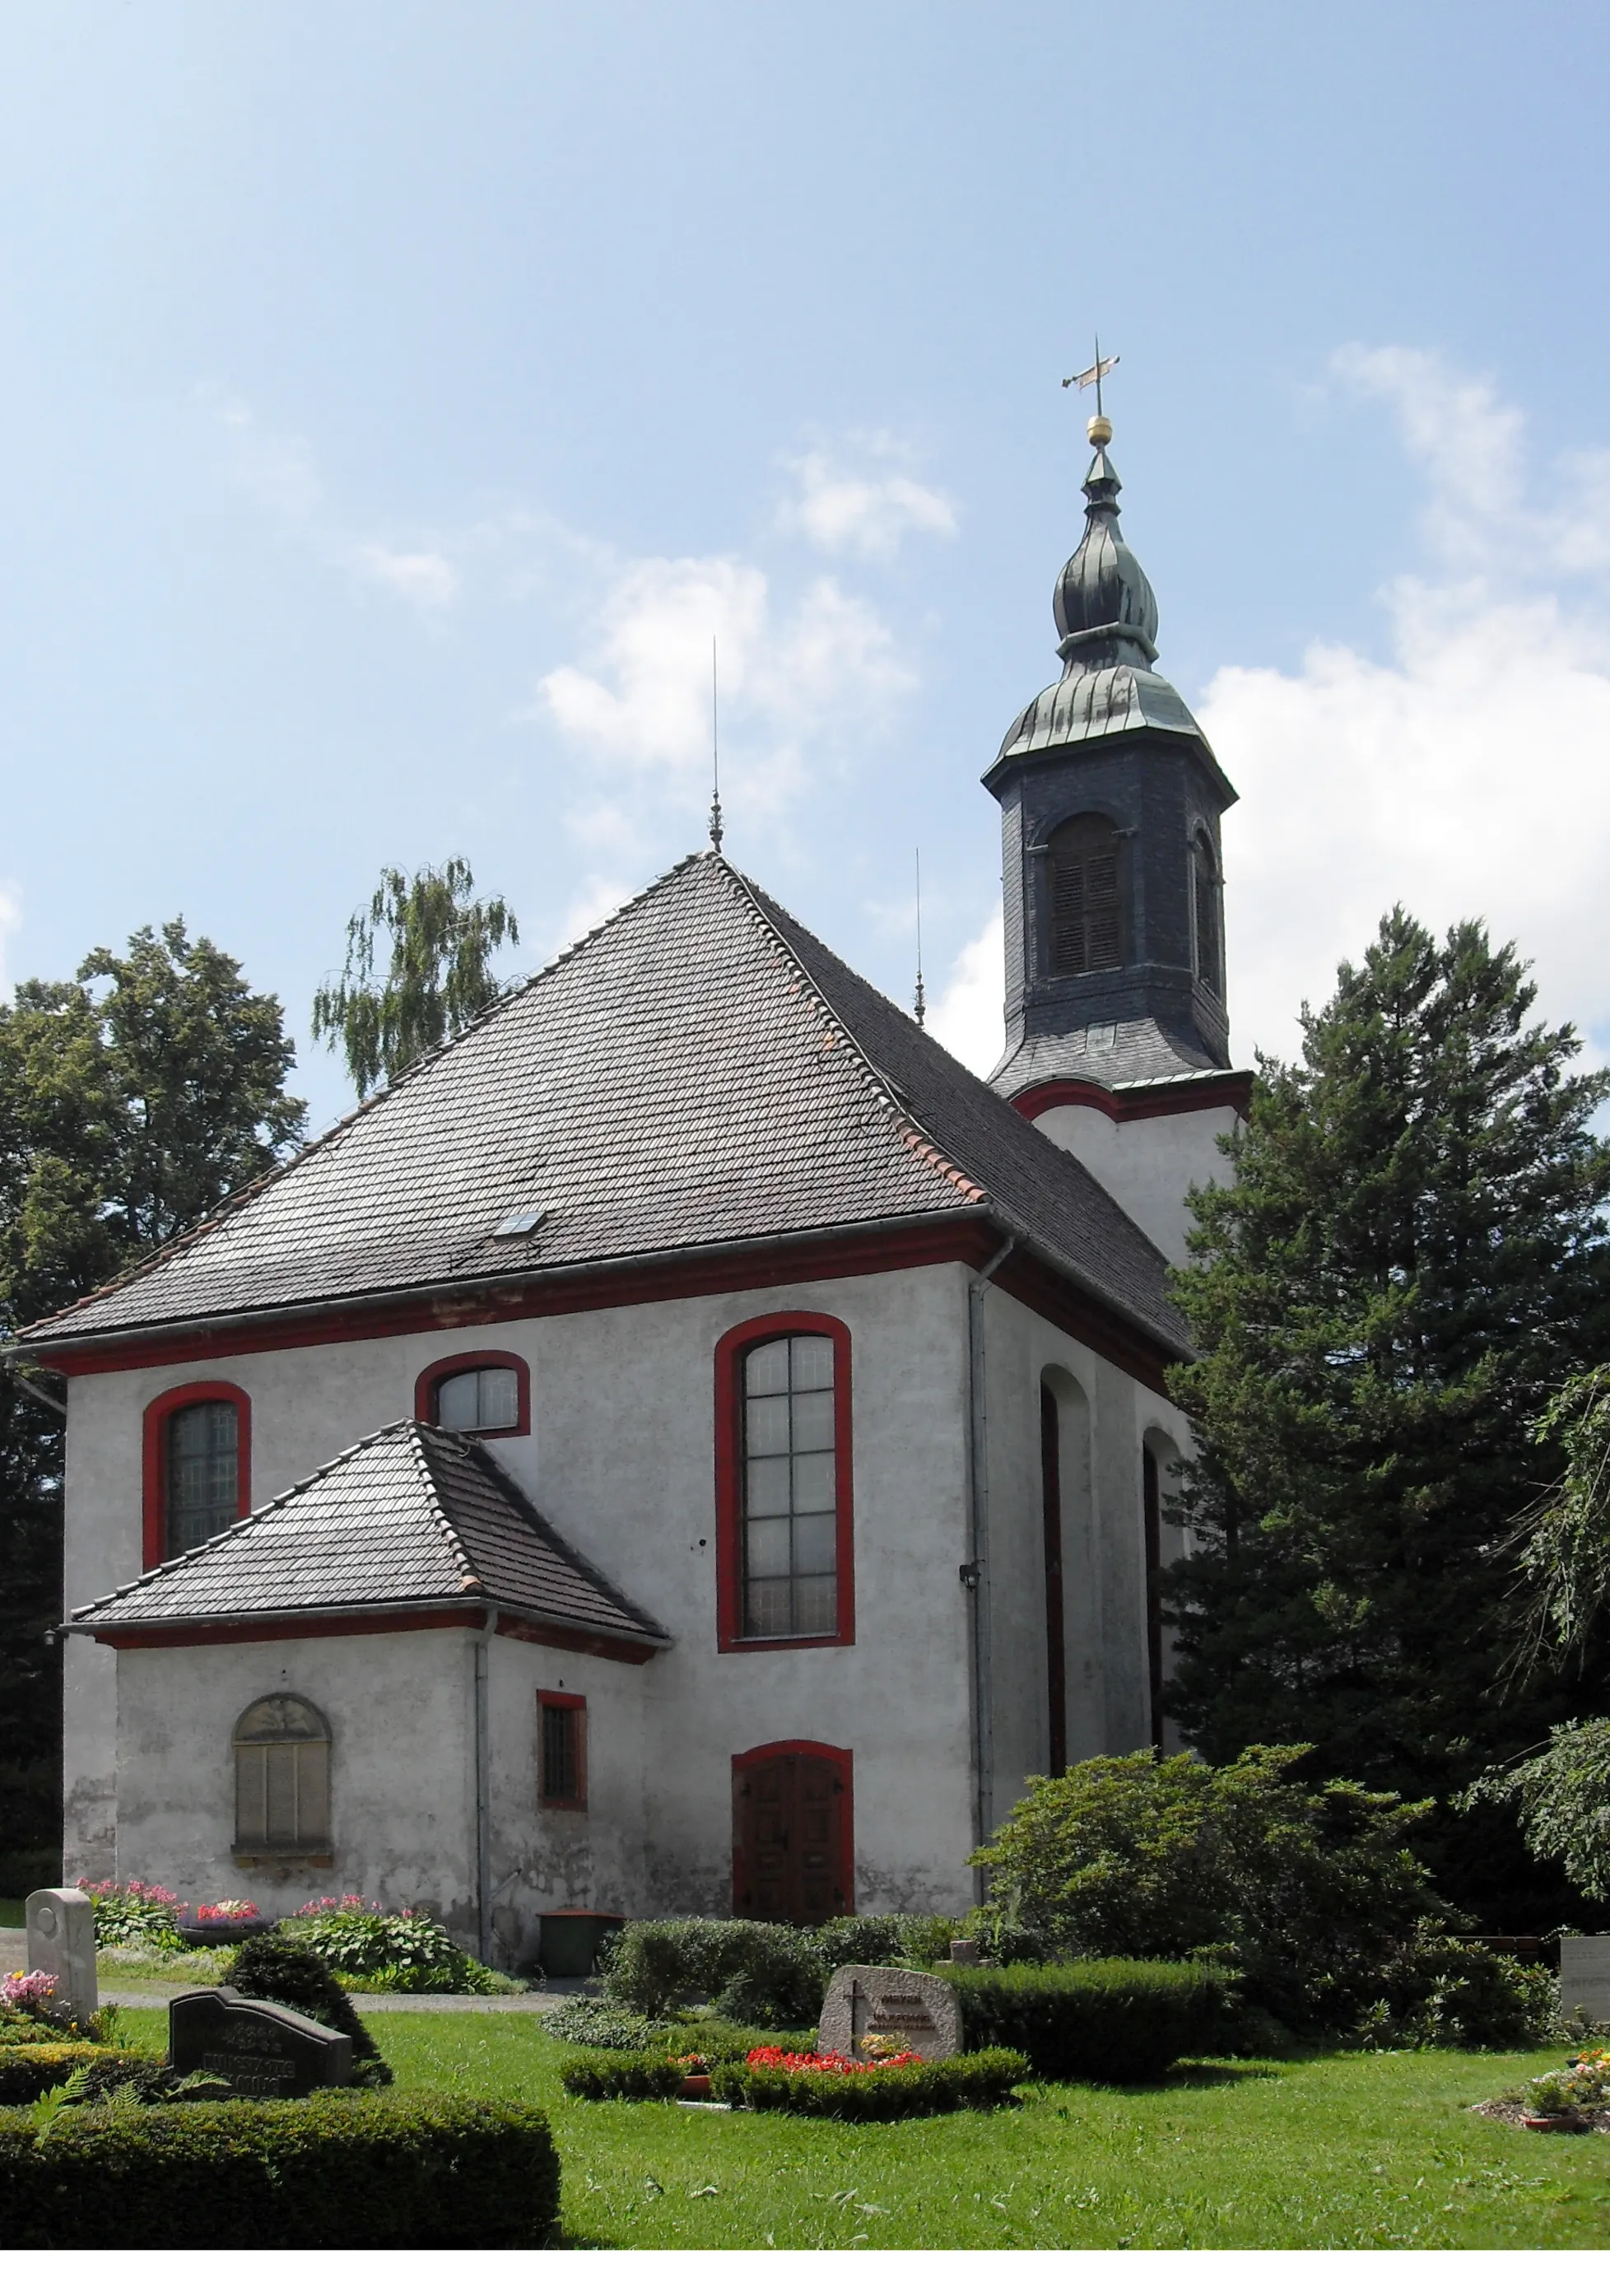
(569, 1701)
(432, 1376)
(729, 1350)
(1133, 1101)
(745, 1268)
(159, 1411)
(842, 1763)
(366, 1622)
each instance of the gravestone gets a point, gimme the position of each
(260, 2048)
(61, 1941)
(862, 2001)
(1585, 1978)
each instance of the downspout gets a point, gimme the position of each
(975, 1569)
(483, 1787)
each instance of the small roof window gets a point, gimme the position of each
(521, 1222)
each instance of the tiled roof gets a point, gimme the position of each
(410, 1516)
(688, 1075)
(1123, 1053)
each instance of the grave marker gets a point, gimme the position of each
(864, 2000)
(61, 1941)
(258, 2047)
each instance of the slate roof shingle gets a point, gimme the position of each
(412, 1515)
(699, 1071)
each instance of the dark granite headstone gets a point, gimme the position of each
(260, 2048)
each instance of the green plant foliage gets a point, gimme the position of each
(137, 1914)
(1313, 1893)
(1453, 1993)
(332, 2170)
(601, 2024)
(1409, 1261)
(32, 2069)
(275, 1967)
(756, 1972)
(407, 1952)
(1564, 1797)
(1112, 2021)
(436, 975)
(977, 2082)
(719, 2042)
(632, 2075)
(1566, 1557)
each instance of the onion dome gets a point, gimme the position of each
(1102, 599)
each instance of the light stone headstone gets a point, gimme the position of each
(861, 2001)
(61, 1941)
(1585, 1978)
(258, 2047)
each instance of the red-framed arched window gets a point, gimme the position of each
(784, 1492)
(197, 1466)
(488, 1392)
(793, 1833)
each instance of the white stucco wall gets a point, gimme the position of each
(1147, 1162)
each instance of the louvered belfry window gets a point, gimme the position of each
(790, 1519)
(1087, 919)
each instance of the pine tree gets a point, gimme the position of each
(437, 977)
(1410, 1258)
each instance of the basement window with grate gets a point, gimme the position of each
(1086, 901)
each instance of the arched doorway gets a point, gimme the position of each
(793, 1833)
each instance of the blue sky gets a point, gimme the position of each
(394, 397)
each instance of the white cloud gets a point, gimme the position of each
(420, 578)
(798, 679)
(1466, 774)
(966, 1015)
(867, 514)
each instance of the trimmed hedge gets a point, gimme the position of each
(1109, 2020)
(977, 2083)
(633, 2074)
(274, 1967)
(337, 2170)
(28, 2072)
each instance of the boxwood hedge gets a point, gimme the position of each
(341, 2169)
(635, 2074)
(28, 2071)
(1111, 2021)
(978, 2081)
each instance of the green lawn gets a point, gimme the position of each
(1342, 2151)
(12, 1913)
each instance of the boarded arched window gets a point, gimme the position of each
(1087, 920)
(1205, 891)
(281, 1749)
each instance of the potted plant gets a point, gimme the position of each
(1550, 2103)
(695, 2077)
(225, 1923)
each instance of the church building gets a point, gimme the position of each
(688, 1445)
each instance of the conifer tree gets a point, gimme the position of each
(1410, 1257)
(435, 976)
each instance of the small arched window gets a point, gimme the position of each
(282, 1750)
(483, 1394)
(1086, 906)
(1204, 901)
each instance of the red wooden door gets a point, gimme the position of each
(792, 1834)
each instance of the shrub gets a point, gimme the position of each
(274, 1967)
(135, 1912)
(332, 2170)
(718, 2041)
(866, 1940)
(408, 1952)
(600, 2024)
(1311, 1892)
(757, 1972)
(1452, 1993)
(30, 2070)
(1112, 2021)
(977, 2082)
(635, 2074)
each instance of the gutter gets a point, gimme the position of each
(471, 1608)
(483, 1785)
(975, 1569)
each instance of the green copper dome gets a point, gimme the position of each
(1103, 599)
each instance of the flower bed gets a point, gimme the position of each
(1569, 2101)
(831, 2088)
(405, 1952)
(135, 1912)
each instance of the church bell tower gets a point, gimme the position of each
(1117, 1030)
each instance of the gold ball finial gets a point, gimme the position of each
(1099, 431)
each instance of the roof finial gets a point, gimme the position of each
(1099, 431)
(920, 1003)
(715, 828)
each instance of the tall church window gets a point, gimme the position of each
(198, 1466)
(282, 1750)
(1086, 904)
(783, 1490)
(1204, 902)
(488, 1393)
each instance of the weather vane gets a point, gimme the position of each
(1098, 430)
